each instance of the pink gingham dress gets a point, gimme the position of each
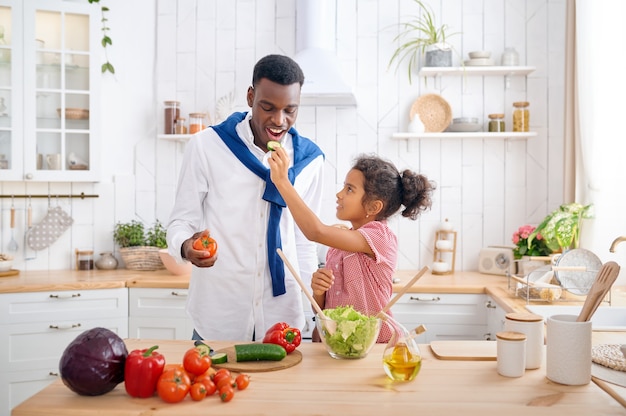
(361, 281)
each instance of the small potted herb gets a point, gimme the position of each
(139, 246)
(561, 228)
(421, 36)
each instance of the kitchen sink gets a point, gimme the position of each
(606, 318)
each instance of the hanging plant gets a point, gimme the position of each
(106, 40)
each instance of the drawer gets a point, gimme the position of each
(167, 303)
(35, 345)
(63, 305)
(437, 308)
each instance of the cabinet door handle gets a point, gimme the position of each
(175, 293)
(71, 326)
(53, 374)
(418, 299)
(65, 296)
(490, 305)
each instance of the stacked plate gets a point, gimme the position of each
(479, 58)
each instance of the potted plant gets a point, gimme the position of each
(561, 228)
(421, 36)
(139, 246)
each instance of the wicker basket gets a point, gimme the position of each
(144, 258)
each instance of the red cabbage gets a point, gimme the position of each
(93, 364)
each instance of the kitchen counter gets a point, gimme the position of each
(322, 385)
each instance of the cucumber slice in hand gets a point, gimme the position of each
(273, 145)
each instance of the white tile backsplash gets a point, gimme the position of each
(202, 50)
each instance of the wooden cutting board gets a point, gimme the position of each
(465, 350)
(257, 366)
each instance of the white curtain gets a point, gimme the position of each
(600, 116)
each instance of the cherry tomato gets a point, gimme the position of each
(222, 372)
(173, 385)
(196, 361)
(197, 391)
(242, 381)
(225, 381)
(206, 243)
(227, 393)
(205, 378)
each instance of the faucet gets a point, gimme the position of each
(616, 242)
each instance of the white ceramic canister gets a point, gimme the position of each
(532, 326)
(511, 353)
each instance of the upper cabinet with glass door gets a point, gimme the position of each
(56, 137)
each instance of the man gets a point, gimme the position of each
(225, 187)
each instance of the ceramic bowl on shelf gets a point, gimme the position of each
(465, 125)
(479, 54)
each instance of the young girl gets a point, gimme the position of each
(361, 260)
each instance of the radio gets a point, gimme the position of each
(496, 260)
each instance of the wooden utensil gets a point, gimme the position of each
(600, 287)
(331, 325)
(404, 289)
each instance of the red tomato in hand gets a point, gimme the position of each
(173, 385)
(196, 361)
(205, 243)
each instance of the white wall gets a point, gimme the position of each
(197, 51)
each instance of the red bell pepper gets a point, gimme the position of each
(285, 336)
(142, 370)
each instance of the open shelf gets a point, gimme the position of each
(476, 70)
(472, 135)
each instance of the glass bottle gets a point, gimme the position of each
(401, 359)
(521, 116)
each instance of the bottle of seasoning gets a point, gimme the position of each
(196, 122)
(172, 112)
(496, 122)
(521, 116)
(181, 128)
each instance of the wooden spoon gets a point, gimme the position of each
(601, 286)
(404, 289)
(331, 325)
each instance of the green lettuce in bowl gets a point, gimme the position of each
(355, 335)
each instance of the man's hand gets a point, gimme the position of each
(197, 257)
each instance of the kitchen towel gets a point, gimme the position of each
(49, 229)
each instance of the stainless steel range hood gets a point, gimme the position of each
(315, 53)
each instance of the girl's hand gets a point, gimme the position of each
(321, 281)
(279, 165)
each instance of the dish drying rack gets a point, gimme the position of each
(524, 288)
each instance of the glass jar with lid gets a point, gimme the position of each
(196, 122)
(181, 127)
(172, 112)
(496, 123)
(521, 116)
(84, 259)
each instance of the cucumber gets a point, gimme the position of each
(273, 145)
(259, 352)
(219, 358)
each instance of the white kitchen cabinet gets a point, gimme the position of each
(157, 313)
(36, 327)
(50, 89)
(496, 316)
(446, 316)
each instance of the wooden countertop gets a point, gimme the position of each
(323, 385)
